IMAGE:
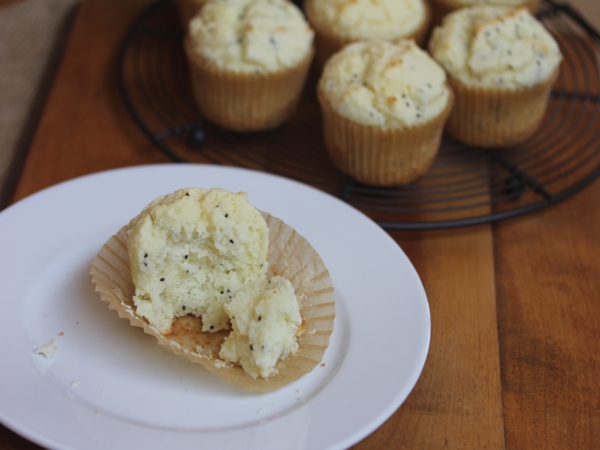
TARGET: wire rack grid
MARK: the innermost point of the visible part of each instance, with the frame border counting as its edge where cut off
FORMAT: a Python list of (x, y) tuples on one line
[(465, 186)]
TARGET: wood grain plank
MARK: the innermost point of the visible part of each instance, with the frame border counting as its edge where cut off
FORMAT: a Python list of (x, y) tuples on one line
[(548, 272), (548, 287), (457, 402), (7, 2), (12, 441)]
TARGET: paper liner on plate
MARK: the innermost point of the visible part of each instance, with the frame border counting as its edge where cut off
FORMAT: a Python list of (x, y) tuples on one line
[(290, 255)]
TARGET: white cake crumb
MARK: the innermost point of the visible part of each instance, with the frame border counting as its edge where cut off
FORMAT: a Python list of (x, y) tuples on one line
[(190, 251), (265, 317), (74, 384), (220, 364), (204, 253), (48, 349)]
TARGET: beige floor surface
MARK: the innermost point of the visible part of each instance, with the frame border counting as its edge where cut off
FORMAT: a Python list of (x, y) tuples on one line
[(30, 31)]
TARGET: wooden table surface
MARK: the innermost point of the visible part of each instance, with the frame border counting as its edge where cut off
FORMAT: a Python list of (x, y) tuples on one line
[(514, 360)]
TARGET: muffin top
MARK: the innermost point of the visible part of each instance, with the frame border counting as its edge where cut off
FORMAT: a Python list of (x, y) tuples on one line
[(495, 47), (492, 2), (254, 36), (370, 19), (378, 83)]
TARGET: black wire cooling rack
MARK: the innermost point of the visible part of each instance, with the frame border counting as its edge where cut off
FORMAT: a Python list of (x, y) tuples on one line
[(465, 186)]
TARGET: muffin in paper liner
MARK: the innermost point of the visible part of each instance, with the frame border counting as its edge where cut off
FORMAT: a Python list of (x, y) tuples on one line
[(245, 101), (290, 255), (489, 117), (501, 63), (328, 42), (381, 156)]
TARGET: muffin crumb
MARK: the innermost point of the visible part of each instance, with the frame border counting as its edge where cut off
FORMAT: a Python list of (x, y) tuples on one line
[(48, 350)]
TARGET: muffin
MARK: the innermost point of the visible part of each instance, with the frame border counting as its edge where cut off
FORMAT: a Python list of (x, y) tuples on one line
[(340, 22), (223, 284), (265, 320), (384, 107), (191, 251), (441, 8), (248, 61), (501, 65)]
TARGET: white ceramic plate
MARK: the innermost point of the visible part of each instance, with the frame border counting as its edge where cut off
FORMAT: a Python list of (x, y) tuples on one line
[(111, 386)]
